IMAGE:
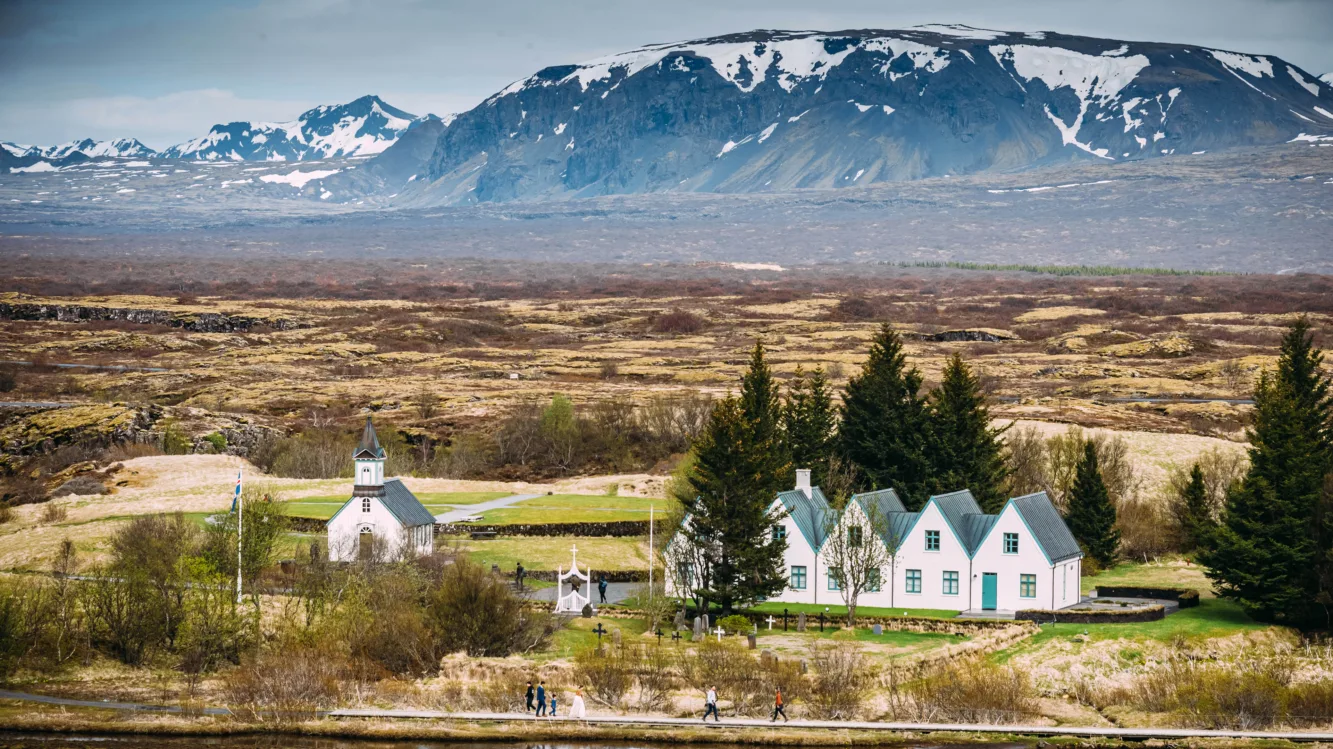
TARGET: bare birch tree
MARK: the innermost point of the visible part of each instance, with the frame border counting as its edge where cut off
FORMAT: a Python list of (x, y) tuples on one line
[(855, 552)]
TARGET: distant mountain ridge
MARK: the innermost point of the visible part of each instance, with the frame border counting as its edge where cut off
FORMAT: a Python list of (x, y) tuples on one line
[(362, 127), (781, 110)]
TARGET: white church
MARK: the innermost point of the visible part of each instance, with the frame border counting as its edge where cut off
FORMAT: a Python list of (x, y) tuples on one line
[(383, 520), (950, 555)]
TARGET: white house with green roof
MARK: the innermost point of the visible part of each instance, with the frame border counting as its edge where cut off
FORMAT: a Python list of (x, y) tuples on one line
[(949, 555), (383, 520)]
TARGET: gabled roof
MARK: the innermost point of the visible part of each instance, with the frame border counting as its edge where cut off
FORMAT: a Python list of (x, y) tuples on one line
[(900, 523), (370, 444), (404, 504), (1048, 528), (809, 513), (974, 530), (897, 520), (885, 500), (955, 506)]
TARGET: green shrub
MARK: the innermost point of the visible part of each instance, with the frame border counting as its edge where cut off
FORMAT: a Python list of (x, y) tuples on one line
[(736, 624), (218, 440), (175, 441)]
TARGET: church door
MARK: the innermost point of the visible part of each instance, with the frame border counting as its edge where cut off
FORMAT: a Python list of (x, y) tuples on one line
[(366, 545)]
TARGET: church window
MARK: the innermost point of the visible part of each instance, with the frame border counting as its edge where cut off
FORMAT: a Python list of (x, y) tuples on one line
[(365, 504)]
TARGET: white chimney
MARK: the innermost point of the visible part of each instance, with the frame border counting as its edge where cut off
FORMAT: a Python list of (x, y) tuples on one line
[(803, 480)]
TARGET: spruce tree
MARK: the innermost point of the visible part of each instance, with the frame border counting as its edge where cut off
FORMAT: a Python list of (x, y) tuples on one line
[(809, 423), (1196, 516), (1091, 513), (740, 465), (966, 452), (882, 432), (1271, 554)]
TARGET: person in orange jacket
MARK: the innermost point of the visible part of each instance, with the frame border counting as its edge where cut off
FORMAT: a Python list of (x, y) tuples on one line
[(778, 706)]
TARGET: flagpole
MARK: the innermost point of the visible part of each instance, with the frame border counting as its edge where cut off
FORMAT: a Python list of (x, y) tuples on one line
[(240, 513), (650, 552)]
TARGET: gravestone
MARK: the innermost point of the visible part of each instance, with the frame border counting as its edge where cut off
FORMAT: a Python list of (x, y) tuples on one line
[(698, 629), (800, 622), (587, 611), (679, 622), (805, 666), (706, 622), (767, 659), (615, 636), (879, 629), (750, 640)]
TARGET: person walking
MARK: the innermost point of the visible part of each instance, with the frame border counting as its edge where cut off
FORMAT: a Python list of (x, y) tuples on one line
[(601, 588), (710, 705), (577, 710), (778, 706), (530, 695), (541, 699)]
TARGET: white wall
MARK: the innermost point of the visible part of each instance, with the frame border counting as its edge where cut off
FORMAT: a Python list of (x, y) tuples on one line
[(368, 473), (912, 554), (1030, 560), (344, 532), (799, 552)]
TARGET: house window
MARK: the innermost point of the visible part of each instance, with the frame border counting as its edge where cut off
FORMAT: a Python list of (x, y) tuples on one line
[(872, 581), (835, 578), (798, 577), (932, 540), (1011, 543), (685, 571), (779, 532), (854, 536), (914, 581), (365, 504), (1027, 586), (950, 583)]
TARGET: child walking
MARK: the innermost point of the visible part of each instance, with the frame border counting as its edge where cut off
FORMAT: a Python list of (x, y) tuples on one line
[(778, 706)]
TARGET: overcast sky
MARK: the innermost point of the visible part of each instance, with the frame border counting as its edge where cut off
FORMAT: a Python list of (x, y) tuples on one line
[(166, 70)]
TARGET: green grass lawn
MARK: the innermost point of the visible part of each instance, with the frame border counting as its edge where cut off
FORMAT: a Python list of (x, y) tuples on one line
[(1213, 617), (577, 635), (322, 508), (838, 611), (546, 553), (577, 508), (1170, 572)]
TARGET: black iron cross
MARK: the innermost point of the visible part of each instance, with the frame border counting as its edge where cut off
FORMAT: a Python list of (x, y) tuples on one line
[(659, 637), (599, 630), (821, 621), (675, 636), (784, 620)]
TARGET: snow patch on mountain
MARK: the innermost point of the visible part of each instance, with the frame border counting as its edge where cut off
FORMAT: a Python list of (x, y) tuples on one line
[(1311, 86), (1257, 67), (298, 178)]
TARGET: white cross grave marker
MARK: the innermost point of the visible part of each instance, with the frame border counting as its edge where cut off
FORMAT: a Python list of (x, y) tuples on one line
[(719, 632), (770, 623)]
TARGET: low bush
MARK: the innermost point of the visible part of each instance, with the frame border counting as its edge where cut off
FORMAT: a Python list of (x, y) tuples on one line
[(736, 624), (971, 690), (842, 679), (678, 321), (54, 513), (287, 684), (1237, 695)]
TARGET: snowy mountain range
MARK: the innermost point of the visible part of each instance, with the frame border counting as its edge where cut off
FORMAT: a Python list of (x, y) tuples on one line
[(780, 110), (359, 128), (362, 127)]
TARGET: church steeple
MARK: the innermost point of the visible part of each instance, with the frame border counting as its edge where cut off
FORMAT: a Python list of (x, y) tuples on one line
[(368, 459)]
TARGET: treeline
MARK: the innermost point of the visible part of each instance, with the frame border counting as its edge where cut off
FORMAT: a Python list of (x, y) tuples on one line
[(535, 439)]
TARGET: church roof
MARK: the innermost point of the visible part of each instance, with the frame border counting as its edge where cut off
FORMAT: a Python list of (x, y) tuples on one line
[(370, 444), (404, 504)]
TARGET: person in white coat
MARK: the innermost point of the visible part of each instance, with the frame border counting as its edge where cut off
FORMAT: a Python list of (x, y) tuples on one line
[(576, 709)]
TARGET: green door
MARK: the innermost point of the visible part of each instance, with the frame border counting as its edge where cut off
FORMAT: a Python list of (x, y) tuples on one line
[(989, 585)]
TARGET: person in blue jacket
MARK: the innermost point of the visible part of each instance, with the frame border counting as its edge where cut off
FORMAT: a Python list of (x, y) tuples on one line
[(541, 699)]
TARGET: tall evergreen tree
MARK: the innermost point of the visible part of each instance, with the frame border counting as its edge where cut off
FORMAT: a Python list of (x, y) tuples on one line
[(966, 451), (809, 422), (1272, 553), (1195, 512), (1091, 513), (883, 427), (740, 465)]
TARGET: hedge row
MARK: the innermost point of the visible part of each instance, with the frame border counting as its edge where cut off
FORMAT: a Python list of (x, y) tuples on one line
[(1110, 616), (609, 529), (1187, 598)]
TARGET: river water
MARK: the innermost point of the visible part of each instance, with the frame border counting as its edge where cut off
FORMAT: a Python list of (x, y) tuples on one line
[(93, 741)]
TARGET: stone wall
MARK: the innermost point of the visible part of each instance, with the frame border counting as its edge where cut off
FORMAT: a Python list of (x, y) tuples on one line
[(1187, 598), (612, 529), (1145, 614)]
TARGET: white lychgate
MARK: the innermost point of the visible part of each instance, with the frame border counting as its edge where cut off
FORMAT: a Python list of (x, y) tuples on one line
[(572, 602), (383, 520)]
